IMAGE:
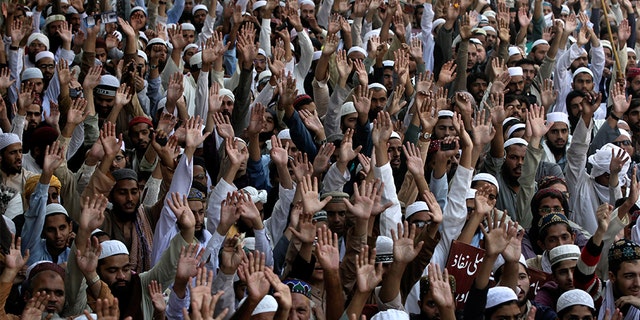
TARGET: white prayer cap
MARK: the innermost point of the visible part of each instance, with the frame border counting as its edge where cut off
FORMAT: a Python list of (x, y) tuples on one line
[(489, 29), (486, 177), (445, 113), (53, 18), (143, 36), (138, 8), (118, 35), (112, 248), (264, 75), (347, 108), (199, 7), (7, 139), (189, 46), (500, 262), (307, 2), (249, 243), (483, 19), (438, 22), (258, 4), (471, 193), (606, 44), (630, 50), (284, 134), (558, 117), (388, 63), (475, 41), (31, 73), (539, 42), (256, 195), (516, 71), (196, 60), (227, 93), (291, 46), (565, 9), (564, 252), (391, 314), (574, 297), (108, 85), (316, 55), (625, 133), (394, 135), (581, 70), (186, 26), (378, 86), (357, 49), (499, 295), (96, 231), (262, 52), (267, 304), (44, 54), (508, 119), (156, 41), (489, 14), (55, 208), (384, 250), (514, 51), (514, 128), (143, 55), (414, 208), (40, 37), (513, 141)]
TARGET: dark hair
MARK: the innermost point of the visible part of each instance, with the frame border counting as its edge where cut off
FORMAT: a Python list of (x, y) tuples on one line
[(634, 104), (572, 95), (490, 311), (522, 62), (564, 311), (475, 76)]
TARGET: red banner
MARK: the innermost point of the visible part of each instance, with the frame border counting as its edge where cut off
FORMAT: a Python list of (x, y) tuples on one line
[(462, 264)]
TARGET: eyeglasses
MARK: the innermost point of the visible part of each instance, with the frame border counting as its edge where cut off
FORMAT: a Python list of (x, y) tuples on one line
[(556, 209), (625, 143), (47, 66)]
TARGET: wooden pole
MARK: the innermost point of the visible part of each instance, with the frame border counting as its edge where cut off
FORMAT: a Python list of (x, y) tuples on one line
[(620, 74)]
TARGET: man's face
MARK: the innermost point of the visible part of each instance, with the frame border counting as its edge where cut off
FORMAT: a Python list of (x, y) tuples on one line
[(523, 284), (12, 159), (126, 196), (583, 82), (563, 274), (445, 128), (608, 62), (625, 143), (546, 10), (188, 54), (507, 312), (472, 55), (387, 81), (53, 195), (36, 47), (482, 53), (51, 283), (188, 6), (575, 106), (378, 100), (300, 307), (34, 116), (394, 151), (634, 87), (119, 162), (519, 108), (582, 61), (516, 85), (244, 153), (557, 234), (101, 55), (115, 271), (56, 231), (103, 103), (627, 279), (336, 216), (227, 106), (349, 121), (529, 72), (428, 308), (53, 29), (38, 85), (492, 196), (199, 17), (138, 19), (140, 136), (307, 11), (631, 58), (513, 59), (199, 175), (477, 89), (491, 39), (198, 209), (47, 66), (578, 312), (260, 63), (558, 135), (633, 119), (514, 160), (189, 35), (540, 51)]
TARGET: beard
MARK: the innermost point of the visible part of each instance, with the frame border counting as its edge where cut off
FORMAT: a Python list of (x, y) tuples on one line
[(123, 293), (123, 216), (557, 150), (199, 234)]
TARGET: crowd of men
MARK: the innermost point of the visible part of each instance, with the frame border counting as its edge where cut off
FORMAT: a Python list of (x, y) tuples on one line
[(320, 159)]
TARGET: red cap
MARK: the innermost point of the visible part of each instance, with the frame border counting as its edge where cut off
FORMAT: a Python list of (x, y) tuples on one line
[(140, 119), (632, 73)]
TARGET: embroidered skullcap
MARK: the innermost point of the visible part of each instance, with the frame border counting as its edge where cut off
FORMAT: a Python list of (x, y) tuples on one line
[(581, 70), (259, 4), (320, 216), (347, 108), (574, 297), (539, 42), (514, 128), (377, 86), (108, 85), (623, 250), (489, 29), (565, 9), (550, 219), (558, 117), (196, 195), (284, 134), (438, 22), (196, 60), (53, 18), (564, 252), (391, 314), (227, 93), (199, 7), (298, 286), (186, 26), (388, 63), (414, 208), (31, 73), (55, 208), (112, 248), (257, 196), (471, 193), (384, 250), (486, 177), (40, 37), (548, 181), (44, 54), (7, 139), (394, 135), (41, 266), (514, 51), (124, 174), (499, 295), (515, 71), (632, 73), (445, 114), (357, 49), (336, 196), (513, 141), (302, 100)]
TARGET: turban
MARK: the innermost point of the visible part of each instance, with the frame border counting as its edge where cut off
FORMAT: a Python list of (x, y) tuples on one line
[(32, 182), (40, 37), (601, 160)]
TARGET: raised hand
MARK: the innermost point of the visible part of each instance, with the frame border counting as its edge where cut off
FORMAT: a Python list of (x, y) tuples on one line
[(363, 75), (602, 215), (256, 122), (195, 137), (414, 159), (498, 235), (327, 249), (223, 125), (157, 297), (282, 292), (167, 153), (180, 207), (524, 17), (398, 102), (53, 118), (76, 114), (231, 256), (175, 88), (35, 306), (309, 191), (189, 262), (382, 129), (229, 213), (548, 95), (92, 78), (321, 162), (53, 158), (435, 212), (123, 95), (404, 248), (362, 100), (362, 200), (301, 166), (311, 121), (25, 98), (251, 272), (278, 152), (306, 231), (440, 287), (249, 212), (5, 78), (215, 99), (618, 160), (330, 44), (424, 81), (620, 101), (482, 129), (536, 123), (514, 248), (87, 259), (14, 260), (92, 215), (368, 275), (346, 152)]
